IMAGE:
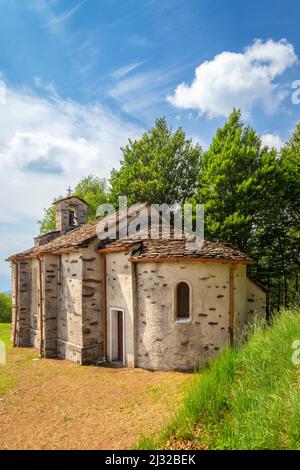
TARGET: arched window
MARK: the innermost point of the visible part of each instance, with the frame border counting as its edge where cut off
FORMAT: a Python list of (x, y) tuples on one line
[(183, 307), (72, 220)]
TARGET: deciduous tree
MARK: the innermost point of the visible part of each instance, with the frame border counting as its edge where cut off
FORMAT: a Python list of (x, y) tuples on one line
[(160, 167)]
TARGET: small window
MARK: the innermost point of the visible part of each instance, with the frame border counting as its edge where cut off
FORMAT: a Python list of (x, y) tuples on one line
[(183, 301)]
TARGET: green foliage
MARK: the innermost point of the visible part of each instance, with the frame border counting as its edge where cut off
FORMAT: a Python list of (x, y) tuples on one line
[(250, 192), (47, 224), (160, 167), (94, 192), (251, 195), (227, 180), (6, 380), (91, 188), (5, 308), (275, 238), (5, 332), (248, 398)]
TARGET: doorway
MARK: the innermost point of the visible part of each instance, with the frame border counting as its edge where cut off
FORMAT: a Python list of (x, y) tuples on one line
[(117, 343)]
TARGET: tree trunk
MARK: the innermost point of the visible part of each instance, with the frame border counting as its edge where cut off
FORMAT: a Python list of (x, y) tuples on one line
[(278, 296)]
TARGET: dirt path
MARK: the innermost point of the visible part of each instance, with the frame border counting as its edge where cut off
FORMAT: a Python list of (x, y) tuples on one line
[(51, 404)]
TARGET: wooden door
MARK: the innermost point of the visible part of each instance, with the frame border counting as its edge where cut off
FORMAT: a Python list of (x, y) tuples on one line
[(120, 336)]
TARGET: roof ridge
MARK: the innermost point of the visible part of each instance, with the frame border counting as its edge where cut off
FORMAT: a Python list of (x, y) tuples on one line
[(159, 247)]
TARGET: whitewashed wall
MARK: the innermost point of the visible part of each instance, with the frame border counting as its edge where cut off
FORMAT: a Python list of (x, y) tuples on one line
[(120, 294), (163, 343)]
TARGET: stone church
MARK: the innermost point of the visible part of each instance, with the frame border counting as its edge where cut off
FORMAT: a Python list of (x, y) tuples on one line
[(132, 302)]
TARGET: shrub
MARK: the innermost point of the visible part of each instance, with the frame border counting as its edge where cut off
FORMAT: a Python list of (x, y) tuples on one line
[(5, 308)]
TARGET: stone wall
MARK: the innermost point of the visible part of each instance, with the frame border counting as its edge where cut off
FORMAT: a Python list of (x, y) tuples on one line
[(62, 212), (14, 297), (120, 295), (250, 302), (240, 293), (51, 279), (72, 293), (72, 305), (69, 326), (34, 304), (23, 338), (29, 302), (27, 293), (92, 331), (256, 300), (79, 327), (164, 343)]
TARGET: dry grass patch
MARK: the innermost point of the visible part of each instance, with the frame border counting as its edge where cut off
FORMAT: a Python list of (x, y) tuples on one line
[(51, 404)]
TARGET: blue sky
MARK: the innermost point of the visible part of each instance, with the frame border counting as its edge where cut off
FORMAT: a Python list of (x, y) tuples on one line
[(83, 76)]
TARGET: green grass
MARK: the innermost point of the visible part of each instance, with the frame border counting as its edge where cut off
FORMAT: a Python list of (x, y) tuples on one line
[(5, 379), (5, 329), (5, 307), (247, 399)]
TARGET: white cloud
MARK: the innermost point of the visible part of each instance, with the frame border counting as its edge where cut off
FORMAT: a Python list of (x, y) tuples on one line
[(46, 9), (47, 144), (140, 92), (199, 141), (56, 20), (46, 87), (272, 140), (240, 80), (140, 41), (39, 6), (123, 71)]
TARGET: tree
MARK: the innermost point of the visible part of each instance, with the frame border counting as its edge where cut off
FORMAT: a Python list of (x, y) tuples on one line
[(47, 224), (94, 192), (227, 180), (251, 195), (91, 188), (160, 167), (5, 308), (276, 237)]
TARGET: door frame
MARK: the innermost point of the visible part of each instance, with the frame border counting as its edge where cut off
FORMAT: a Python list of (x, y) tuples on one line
[(111, 310)]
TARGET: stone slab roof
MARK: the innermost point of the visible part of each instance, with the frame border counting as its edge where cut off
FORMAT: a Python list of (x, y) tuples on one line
[(165, 249), (77, 237), (175, 249), (143, 248), (69, 198)]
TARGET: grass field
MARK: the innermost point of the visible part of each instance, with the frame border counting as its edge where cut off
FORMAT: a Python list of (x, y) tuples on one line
[(53, 404), (5, 333), (11, 372), (5, 379), (248, 398)]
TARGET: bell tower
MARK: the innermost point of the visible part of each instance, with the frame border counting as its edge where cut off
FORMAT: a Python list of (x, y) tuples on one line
[(71, 212)]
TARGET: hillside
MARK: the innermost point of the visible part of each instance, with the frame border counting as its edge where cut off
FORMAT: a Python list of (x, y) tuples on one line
[(247, 399)]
